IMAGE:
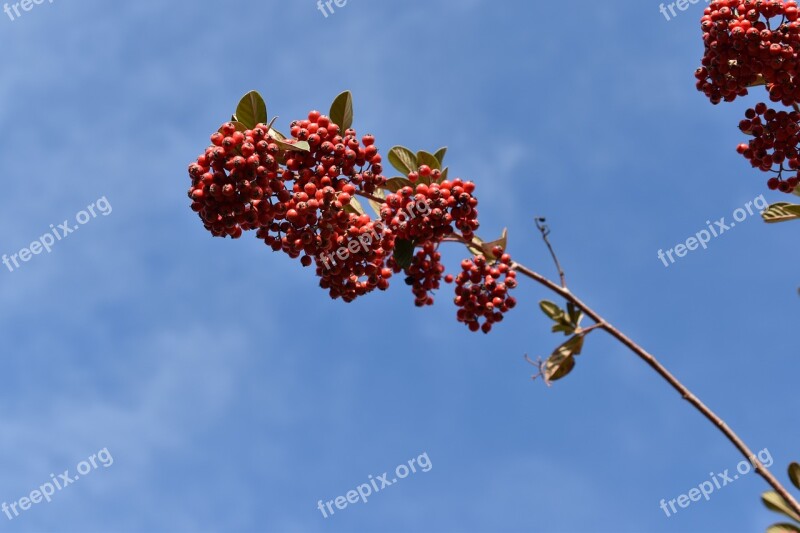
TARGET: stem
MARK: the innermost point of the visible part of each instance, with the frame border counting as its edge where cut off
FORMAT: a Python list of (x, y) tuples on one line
[(685, 393), (370, 197), (545, 230)]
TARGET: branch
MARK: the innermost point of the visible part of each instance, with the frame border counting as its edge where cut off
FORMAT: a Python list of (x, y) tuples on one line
[(644, 355), (651, 361)]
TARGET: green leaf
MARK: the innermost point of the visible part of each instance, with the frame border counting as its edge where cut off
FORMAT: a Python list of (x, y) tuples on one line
[(551, 310), (403, 160), (427, 158), (445, 172), (774, 502), (566, 329), (783, 528), (354, 206), (557, 367), (797, 191), (299, 146), (794, 474), (395, 184), (575, 314), (781, 212), (238, 125), (440, 153), (476, 246), (275, 134), (376, 206), (252, 110), (342, 111), (562, 361), (403, 252), (502, 242)]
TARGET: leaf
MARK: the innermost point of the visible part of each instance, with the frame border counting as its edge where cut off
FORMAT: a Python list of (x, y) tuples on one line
[(797, 191), (403, 160), (502, 242), (551, 310), (558, 367), (342, 111), (774, 502), (574, 346), (354, 206), (440, 153), (395, 184), (299, 146), (427, 158), (575, 314), (275, 134), (376, 206), (783, 528), (475, 246), (563, 328), (239, 126), (403, 252), (794, 474), (445, 172), (252, 110), (781, 212), (562, 361)]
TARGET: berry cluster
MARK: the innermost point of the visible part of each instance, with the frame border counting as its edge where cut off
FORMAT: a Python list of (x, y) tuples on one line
[(297, 193), (231, 179), (312, 217), (745, 46), (425, 274), (481, 294), (448, 205), (334, 154), (360, 264), (776, 135)]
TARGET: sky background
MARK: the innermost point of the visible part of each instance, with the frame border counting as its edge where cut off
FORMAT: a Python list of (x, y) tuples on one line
[(233, 394)]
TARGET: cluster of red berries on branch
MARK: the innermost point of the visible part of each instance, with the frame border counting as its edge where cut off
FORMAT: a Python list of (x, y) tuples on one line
[(776, 135), (750, 43), (450, 206), (299, 195), (482, 290), (424, 274), (231, 179)]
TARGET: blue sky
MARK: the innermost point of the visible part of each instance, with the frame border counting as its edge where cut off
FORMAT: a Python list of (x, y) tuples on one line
[(233, 394)]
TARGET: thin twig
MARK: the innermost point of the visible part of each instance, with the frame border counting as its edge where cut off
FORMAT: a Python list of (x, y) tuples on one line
[(584, 331), (545, 230), (368, 196)]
